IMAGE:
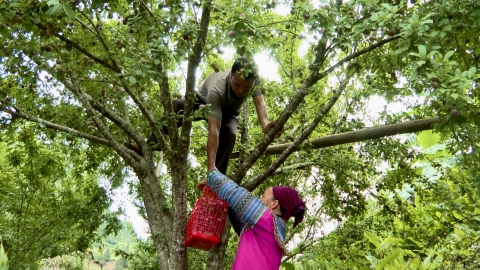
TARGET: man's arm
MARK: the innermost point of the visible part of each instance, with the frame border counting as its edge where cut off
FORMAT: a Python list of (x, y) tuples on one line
[(262, 112), (247, 208), (212, 142), (262, 115)]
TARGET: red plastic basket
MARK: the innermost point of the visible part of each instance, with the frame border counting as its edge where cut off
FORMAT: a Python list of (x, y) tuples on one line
[(206, 223)]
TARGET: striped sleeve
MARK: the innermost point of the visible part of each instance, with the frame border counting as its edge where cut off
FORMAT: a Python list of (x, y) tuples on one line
[(248, 208)]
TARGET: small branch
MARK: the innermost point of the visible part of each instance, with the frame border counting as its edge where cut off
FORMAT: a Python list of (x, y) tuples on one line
[(297, 166), (87, 53), (84, 25), (303, 247), (156, 130), (104, 44), (357, 54), (147, 9), (115, 118), (211, 48), (19, 113), (121, 150), (277, 22)]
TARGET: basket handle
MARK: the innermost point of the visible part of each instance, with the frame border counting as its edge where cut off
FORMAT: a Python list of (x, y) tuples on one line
[(209, 193)]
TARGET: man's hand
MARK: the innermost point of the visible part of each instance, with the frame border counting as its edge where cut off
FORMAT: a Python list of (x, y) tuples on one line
[(269, 126), (201, 185)]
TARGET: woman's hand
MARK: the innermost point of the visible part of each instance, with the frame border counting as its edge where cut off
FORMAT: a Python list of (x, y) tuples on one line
[(202, 184)]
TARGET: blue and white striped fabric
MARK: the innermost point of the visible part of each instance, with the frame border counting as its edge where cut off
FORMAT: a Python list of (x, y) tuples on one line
[(248, 208)]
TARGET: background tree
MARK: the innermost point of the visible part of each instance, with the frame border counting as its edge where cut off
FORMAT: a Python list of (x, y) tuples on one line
[(49, 207), (102, 72)]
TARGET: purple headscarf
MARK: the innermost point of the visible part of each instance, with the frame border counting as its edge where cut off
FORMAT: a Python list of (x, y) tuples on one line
[(291, 203)]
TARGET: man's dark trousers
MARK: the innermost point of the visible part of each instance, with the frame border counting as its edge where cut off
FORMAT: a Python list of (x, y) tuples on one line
[(226, 137)]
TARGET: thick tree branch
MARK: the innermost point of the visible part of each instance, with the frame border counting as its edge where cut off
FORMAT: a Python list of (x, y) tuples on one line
[(193, 62), (314, 77), (145, 148), (167, 109), (320, 52), (359, 135), (157, 208), (179, 186), (257, 180)]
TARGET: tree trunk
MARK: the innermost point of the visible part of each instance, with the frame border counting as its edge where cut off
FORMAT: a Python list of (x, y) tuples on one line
[(217, 253), (358, 136), (158, 216), (178, 250)]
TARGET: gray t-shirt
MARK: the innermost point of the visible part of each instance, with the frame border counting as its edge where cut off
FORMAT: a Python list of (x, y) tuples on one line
[(216, 91)]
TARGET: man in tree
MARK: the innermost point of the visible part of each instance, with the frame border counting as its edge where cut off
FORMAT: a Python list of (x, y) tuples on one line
[(224, 93)]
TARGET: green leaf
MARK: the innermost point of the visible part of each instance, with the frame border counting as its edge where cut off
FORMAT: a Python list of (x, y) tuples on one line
[(426, 21), (3, 258), (392, 241), (373, 261), (53, 2), (472, 71), (55, 10), (422, 51), (69, 11), (457, 215), (420, 63), (448, 55), (459, 232), (434, 148), (372, 238), (419, 244), (392, 256), (132, 79), (427, 138), (418, 203), (466, 98), (427, 260), (288, 266)]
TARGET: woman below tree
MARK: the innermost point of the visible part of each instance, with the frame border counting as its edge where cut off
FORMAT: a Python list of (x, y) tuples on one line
[(263, 221)]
